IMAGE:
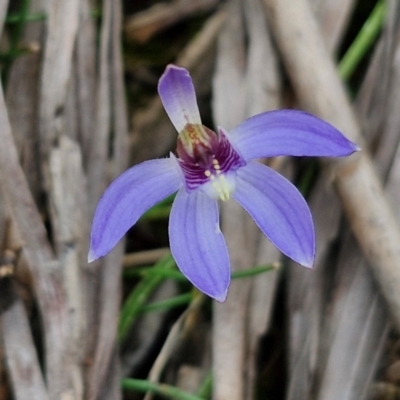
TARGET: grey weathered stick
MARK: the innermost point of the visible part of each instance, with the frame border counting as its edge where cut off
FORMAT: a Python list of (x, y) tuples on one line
[(333, 16), (44, 268), (97, 182), (229, 319), (145, 257), (22, 360), (104, 373), (98, 149), (62, 26), (85, 53), (22, 100), (345, 343), (67, 198), (309, 66), (3, 11), (246, 82), (143, 25)]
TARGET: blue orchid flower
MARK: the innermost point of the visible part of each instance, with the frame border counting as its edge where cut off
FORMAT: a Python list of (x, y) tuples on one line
[(217, 166)]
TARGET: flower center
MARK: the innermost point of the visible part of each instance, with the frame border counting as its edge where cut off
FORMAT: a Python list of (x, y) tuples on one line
[(220, 186), (208, 161)]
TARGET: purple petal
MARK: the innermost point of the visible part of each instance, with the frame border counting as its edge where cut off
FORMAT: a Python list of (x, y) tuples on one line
[(278, 209), (289, 133), (197, 243), (179, 97), (127, 198)]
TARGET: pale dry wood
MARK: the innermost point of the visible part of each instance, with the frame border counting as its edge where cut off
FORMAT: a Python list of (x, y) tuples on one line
[(189, 378), (97, 182), (44, 268), (83, 83), (143, 25), (359, 324), (229, 327), (21, 97), (334, 337), (229, 96), (113, 267), (146, 257), (306, 299), (60, 283), (176, 335), (263, 84), (306, 296), (365, 100), (101, 371), (18, 349), (203, 42), (355, 322), (70, 124), (3, 12), (97, 157), (391, 128), (47, 277), (62, 27), (85, 80), (120, 113), (338, 12), (68, 207), (320, 90), (106, 363), (146, 331), (111, 386), (20, 352), (383, 116), (246, 83), (152, 133), (373, 100), (333, 17), (357, 329)]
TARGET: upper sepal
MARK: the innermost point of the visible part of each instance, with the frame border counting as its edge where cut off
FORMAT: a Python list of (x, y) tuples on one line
[(178, 97)]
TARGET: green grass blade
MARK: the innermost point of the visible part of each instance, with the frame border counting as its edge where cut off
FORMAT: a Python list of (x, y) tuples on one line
[(363, 42), (170, 392), (139, 296)]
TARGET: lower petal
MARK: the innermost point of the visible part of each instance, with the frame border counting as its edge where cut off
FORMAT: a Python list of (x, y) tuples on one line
[(127, 198), (197, 243), (278, 209)]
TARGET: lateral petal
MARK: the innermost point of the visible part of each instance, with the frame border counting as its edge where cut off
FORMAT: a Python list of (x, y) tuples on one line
[(127, 198), (178, 96), (278, 209), (289, 133), (197, 243)]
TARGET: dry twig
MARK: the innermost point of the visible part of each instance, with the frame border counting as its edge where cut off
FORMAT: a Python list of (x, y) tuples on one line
[(320, 90)]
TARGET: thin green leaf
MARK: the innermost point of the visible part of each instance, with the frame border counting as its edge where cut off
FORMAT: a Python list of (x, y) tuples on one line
[(167, 391), (139, 296), (168, 304), (253, 271), (160, 271), (363, 42), (205, 389)]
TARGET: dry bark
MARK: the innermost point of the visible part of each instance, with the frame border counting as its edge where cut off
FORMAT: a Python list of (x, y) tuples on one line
[(246, 82), (320, 91)]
